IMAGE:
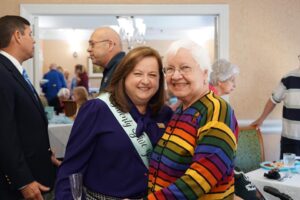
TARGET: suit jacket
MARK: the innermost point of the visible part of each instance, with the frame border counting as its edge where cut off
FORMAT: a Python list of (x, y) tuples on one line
[(24, 141)]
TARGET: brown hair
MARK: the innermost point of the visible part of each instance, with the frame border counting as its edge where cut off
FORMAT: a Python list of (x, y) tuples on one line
[(80, 67), (117, 87), (8, 25), (82, 93)]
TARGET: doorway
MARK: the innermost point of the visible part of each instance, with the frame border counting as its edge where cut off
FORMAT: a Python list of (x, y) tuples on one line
[(34, 11)]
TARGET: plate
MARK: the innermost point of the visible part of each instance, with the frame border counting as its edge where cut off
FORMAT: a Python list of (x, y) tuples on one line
[(277, 164)]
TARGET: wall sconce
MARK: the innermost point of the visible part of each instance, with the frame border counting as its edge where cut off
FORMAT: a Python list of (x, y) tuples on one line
[(74, 42), (75, 54)]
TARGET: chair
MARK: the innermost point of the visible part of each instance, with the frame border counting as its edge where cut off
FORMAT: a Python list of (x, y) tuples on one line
[(250, 151), (70, 108)]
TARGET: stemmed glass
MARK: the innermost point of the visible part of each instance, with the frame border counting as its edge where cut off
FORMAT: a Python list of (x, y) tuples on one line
[(289, 162), (76, 185)]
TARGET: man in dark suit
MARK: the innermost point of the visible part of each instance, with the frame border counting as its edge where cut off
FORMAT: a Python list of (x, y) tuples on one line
[(26, 170)]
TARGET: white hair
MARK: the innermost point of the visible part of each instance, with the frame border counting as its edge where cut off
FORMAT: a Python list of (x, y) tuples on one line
[(64, 92), (198, 53), (223, 70), (53, 66)]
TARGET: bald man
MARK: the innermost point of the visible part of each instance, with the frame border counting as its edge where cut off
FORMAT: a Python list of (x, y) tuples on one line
[(105, 49)]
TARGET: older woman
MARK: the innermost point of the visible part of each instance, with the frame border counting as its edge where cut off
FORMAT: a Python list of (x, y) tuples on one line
[(223, 75), (113, 135), (194, 158), (58, 102)]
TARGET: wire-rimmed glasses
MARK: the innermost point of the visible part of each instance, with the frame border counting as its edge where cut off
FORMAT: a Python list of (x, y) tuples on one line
[(93, 43), (183, 70)]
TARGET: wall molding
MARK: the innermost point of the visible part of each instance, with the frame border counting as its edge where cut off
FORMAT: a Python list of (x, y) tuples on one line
[(268, 127)]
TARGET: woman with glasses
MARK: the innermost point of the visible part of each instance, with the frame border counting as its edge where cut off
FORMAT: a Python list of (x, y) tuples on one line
[(223, 76), (113, 135), (194, 158)]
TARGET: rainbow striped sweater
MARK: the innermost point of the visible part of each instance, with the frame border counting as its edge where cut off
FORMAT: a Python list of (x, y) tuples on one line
[(195, 157)]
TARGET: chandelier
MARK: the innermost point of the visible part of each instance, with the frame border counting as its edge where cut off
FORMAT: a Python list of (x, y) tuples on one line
[(132, 30)]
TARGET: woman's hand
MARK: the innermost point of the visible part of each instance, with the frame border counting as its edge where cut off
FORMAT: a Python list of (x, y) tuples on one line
[(54, 160)]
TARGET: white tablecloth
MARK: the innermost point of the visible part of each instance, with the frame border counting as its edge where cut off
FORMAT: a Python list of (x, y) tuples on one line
[(58, 136), (290, 186)]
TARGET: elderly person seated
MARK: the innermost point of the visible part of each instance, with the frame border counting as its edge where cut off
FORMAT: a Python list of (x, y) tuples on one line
[(58, 102), (222, 77)]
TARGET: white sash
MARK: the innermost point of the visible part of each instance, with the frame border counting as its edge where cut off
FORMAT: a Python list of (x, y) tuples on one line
[(142, 144)]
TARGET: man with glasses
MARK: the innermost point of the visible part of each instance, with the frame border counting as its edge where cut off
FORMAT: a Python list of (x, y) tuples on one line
[(105, 49)]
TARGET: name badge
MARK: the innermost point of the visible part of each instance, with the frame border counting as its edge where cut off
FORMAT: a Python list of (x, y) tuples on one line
[(161, 125)]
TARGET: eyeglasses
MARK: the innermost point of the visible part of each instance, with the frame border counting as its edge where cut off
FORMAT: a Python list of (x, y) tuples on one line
[(92, 43), (183, 70)]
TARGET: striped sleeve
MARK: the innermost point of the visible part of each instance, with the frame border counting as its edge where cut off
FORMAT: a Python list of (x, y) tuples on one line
[(279, 93), (210, 173)]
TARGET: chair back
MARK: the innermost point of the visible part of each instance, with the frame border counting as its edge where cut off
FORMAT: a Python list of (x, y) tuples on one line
[(250, 150), (70, 108)]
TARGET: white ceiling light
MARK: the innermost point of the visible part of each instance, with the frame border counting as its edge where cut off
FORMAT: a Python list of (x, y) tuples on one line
[(132, 30)]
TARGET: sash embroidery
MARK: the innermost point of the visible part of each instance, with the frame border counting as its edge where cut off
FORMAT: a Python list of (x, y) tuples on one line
[(142, 144)]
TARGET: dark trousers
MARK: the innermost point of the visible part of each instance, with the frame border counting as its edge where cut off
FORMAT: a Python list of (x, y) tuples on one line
[(289, 146)]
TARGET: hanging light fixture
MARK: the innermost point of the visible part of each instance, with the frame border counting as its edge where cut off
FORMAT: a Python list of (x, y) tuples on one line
[(132, 30)]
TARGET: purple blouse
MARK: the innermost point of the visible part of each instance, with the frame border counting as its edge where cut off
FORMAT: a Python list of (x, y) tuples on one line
[(99, 148)]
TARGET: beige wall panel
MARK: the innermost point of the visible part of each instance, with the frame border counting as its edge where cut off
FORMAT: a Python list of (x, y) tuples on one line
[(264, 42), (59, 52)]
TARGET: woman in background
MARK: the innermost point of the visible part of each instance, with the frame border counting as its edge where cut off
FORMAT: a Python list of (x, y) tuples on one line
[(80, 96), (82, 77), (222, 79), (223, 76), (113, 135), (58, 102)]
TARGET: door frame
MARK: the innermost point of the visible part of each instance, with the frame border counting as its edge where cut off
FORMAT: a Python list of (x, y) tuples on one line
[(32, 11)]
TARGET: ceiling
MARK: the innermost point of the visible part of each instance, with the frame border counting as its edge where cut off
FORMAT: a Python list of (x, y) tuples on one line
[(158, 27)]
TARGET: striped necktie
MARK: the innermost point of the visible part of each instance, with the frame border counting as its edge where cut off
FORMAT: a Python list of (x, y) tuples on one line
[(26, 77)]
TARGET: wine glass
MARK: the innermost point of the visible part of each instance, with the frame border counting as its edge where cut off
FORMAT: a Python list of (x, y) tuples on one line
[(289, 162), (76, 185)]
